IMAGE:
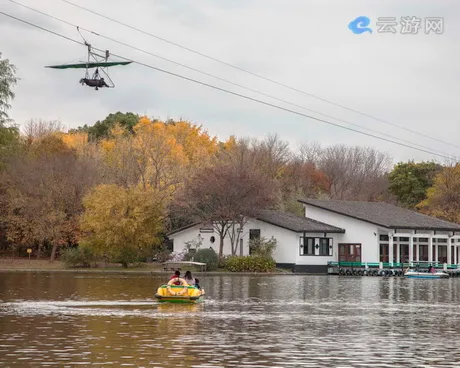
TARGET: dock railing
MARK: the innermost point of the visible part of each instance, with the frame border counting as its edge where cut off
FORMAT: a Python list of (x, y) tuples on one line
[(387, 268)]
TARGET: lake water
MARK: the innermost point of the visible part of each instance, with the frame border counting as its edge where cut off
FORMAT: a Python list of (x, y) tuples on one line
[(75, 319)]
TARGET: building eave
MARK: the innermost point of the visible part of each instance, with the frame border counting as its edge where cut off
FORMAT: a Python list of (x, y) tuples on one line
[(344, 214), (392, 226), (182, 229), (338, 231)]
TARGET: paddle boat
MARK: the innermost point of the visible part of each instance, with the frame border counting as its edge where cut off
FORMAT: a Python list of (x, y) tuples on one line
[(426, 275), (183, 293)]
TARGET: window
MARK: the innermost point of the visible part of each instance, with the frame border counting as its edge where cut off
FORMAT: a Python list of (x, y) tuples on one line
[(349, 252), (384, 237), (325, 246), (307, 248), (207, 228), (423, 240), (212, 239), (402, 239), (441, 240), (423, 249), (442, 254), (384, 252), (254, 234)]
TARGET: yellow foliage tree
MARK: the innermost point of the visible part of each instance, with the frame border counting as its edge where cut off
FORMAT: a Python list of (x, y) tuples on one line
[(230, 144), (122, 223), (76, 141), (160, 159), (198, 146), (443, 198)]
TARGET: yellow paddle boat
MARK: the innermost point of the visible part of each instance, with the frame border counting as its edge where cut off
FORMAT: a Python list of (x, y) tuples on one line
[(183, 293)]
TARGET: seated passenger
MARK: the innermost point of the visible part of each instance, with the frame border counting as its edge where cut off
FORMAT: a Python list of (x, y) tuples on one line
[(197, 285), (189, 279), (175, 276)]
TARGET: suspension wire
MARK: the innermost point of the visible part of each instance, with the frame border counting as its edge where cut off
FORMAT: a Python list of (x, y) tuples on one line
[(257, 75), (234, 93), (222, 79)]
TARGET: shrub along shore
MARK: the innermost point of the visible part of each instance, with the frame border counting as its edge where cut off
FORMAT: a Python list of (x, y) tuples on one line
[(154, 268)]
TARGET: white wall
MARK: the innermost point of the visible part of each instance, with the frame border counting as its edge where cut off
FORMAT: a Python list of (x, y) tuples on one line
[(319, 260), (356, 231), (193, 233), (286, 251), (287, 241)]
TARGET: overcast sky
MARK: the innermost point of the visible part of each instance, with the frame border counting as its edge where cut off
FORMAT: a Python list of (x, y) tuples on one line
[(410, 80)]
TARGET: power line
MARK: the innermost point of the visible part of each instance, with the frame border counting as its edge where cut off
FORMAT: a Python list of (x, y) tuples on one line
[(221, 79), (228, 91), (257, 75)]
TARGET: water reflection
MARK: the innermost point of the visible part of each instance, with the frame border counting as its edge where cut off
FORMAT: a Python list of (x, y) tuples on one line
[(271, 321)]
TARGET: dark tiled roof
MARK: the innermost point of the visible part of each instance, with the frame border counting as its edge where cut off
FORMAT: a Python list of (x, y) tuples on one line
[(383, 214), (296, 223), (287, 221), (182, 228)]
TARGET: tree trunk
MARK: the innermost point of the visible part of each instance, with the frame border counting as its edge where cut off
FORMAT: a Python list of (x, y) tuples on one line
[(53, 253), (221, 246)]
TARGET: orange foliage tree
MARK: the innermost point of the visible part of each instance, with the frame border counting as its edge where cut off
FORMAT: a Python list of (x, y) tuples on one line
[(443, 198)]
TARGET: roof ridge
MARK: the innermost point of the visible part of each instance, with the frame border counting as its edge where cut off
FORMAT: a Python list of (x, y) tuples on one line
[(380, 213)]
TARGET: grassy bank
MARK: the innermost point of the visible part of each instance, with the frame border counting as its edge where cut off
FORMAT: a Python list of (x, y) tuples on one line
[(44, 265)]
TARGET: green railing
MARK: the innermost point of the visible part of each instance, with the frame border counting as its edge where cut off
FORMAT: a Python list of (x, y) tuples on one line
[(421, 264)]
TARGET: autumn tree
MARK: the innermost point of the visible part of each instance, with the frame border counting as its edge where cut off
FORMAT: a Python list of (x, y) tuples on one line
[(36, 129), (122, 223), (443, 197), (9, 142), (153, 162), (8, 80), (227, 193), (101, 129), (198, 146), (45, 187), (409, 181), (302, 180), (353, 173)]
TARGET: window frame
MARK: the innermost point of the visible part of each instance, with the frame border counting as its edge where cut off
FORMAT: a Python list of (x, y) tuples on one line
[(307, 241)]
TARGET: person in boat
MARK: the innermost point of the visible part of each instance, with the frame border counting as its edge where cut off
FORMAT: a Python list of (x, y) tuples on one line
[(431, 269), (97, 83), (197, 284), (189, 278), (176, 276)]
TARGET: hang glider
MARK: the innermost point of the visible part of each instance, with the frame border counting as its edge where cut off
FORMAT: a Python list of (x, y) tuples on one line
[(100, 62), (88, 65)]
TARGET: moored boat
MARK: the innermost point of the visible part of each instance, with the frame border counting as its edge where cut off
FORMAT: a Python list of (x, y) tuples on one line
[(426, 275)]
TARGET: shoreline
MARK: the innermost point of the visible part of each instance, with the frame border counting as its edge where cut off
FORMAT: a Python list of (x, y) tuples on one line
[(151, 272), (24, 265)]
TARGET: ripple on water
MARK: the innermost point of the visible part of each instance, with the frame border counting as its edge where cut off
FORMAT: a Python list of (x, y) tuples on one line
[(308, 322)]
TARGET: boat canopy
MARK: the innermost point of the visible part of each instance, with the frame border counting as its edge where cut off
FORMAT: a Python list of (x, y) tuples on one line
[(185, 263)]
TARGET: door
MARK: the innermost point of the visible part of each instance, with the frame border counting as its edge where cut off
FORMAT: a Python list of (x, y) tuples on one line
[(404, 253), (349, 252), (384, 253)]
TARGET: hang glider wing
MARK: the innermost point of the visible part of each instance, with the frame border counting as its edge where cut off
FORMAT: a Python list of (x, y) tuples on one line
[(89, 65)]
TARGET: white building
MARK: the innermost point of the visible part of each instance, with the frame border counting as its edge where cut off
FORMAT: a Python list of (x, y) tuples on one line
[(335, 230)]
